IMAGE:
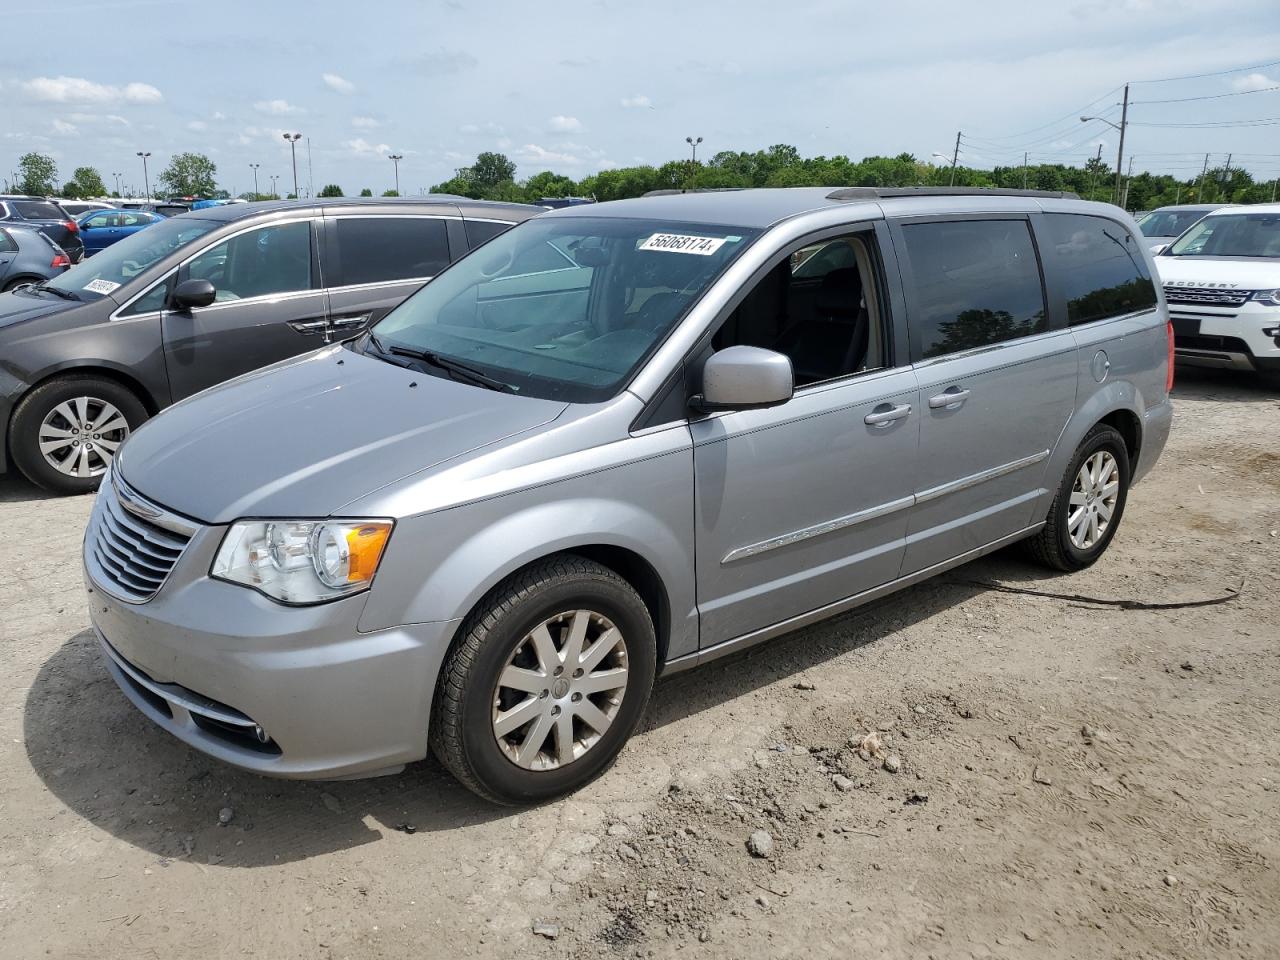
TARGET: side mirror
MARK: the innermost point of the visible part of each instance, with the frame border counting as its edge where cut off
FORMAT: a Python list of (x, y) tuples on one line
[(194, 293), (744, 378), (1159, 248)]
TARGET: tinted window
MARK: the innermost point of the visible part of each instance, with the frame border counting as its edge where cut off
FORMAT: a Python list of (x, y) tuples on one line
[(6, 243), (380, 249), (274, 259), (151, 301), (976, 283), (1101, 266), (479, 231), (101, 220), (119, 263), (38, 210)]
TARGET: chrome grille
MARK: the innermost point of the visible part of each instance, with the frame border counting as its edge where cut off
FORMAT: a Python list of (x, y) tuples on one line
[(131, 545), (1207, 296)]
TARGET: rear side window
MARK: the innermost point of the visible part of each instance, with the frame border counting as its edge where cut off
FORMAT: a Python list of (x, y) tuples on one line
[(976, 283), (384, 249), (38, 210), (6, 243), (481, 231), (1101, 265)]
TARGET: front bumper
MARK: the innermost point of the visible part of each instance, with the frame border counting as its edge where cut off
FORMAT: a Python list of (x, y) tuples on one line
[(1240, 338), (293, 692)]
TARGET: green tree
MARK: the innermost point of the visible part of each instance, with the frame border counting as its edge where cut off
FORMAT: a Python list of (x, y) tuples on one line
[(38, 174), (190, 174), (90, 182), (391, 193), (366, 192), (331, 190), (491, 169), (71, 190)]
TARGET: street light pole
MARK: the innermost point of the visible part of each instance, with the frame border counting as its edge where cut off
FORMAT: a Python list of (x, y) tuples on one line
[(275, 191), (117, 176), (146, 179), (395, 159), (293, 139), (255, 179), (693, 162)]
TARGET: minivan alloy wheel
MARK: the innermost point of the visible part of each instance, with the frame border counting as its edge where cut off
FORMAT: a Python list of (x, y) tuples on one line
[(78, 437), (560, 690), (1093, 499)]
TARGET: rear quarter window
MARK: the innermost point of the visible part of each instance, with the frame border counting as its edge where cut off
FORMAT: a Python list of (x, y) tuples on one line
[(385, 249), (1100, 265), (482, 231), (7, 244)]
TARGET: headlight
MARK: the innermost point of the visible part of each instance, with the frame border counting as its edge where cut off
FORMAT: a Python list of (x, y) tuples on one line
[(302, 561), (1269, 297)]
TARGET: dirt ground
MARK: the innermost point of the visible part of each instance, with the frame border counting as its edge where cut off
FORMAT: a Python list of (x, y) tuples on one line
[(1073, 780)]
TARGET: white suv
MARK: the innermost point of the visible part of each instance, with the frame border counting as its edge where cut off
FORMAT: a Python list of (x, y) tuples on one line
[(1222, 282)]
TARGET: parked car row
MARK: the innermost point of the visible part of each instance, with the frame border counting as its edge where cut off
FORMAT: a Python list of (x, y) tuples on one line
[(47, 217)]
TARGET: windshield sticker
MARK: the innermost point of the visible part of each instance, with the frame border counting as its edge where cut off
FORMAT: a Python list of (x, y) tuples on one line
[(683, 243), (101, 286)]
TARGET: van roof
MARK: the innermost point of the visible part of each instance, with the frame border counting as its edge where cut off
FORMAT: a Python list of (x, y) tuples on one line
[(477, 208)]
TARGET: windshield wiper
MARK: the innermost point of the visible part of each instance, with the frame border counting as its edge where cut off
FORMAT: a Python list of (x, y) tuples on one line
[(64, 294), (459, 370)]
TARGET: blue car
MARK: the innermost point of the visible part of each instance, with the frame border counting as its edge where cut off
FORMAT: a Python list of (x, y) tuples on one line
[(102, 228)]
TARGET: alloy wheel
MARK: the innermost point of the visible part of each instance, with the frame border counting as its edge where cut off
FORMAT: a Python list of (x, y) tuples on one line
[(78, 437), (1093, 499)]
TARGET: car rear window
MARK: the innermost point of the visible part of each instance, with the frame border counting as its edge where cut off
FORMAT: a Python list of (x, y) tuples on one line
[(38, 210), (1101, 266), (384, 249)]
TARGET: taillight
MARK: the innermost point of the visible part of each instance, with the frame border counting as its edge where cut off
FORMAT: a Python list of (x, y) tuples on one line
[(61, 260), (72, 226), (1168, 380)]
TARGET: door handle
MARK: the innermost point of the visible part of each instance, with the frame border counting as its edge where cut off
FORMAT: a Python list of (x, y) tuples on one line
[(952, 396), (355, 320), (883, 418), (309, 326)]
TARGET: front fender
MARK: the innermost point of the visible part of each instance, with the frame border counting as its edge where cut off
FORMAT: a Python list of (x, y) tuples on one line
[(439, 565)]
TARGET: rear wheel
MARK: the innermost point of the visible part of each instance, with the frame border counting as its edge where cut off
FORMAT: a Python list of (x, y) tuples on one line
[(1090, 501), (19, 282), (548, 680), (65, 432)]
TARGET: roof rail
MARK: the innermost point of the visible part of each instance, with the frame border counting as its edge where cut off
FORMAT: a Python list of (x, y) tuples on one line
[(885, 193), (676, 193)]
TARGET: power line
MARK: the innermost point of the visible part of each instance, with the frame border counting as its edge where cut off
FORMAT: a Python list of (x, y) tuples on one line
[(1216, 73), (1214, 96), (1258, 122), (1069, 116)]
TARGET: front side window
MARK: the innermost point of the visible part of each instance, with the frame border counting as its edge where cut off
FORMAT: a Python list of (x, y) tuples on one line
[(1101, 267), (563, 308), (270, 260), (976, 283), (1231, 235), (101, 274), (100, 220), (386, 249)]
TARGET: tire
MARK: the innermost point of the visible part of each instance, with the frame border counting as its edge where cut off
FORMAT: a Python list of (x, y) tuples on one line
[(470, 701), (17, 282), (1054, 546), (76, 394)]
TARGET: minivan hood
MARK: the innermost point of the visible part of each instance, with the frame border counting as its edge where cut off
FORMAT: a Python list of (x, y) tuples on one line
[(17, 307), (301, 438), (1243, 274)]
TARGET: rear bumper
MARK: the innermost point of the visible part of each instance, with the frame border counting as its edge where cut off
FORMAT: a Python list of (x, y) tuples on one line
[(1156, 424)]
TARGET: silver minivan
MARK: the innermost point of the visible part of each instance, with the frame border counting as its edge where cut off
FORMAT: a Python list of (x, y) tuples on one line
[(618, 441)]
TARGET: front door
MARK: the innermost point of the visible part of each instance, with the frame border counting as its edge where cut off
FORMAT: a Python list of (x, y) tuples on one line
[(806, 503), (997, 382), (269, 306)]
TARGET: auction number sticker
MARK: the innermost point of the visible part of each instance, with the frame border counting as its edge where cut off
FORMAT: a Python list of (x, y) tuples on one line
[(683, 243), (101, 286)]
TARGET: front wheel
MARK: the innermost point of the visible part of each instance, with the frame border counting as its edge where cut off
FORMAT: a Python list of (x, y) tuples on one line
[(549, 678), (1090, 501), (65, 431)]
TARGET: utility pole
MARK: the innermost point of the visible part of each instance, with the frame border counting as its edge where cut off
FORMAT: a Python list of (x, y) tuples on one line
[(396, 158), (1124, 122), (693, 162), (1177, 196), (1093, 173), (255, 179), (1124, 202), (145, 178), (1226, 178), (1273, 189), (293, 139), (1024, 170), (1200, 182), (955, 156)]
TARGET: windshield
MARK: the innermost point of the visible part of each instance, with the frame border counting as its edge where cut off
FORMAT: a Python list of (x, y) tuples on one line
[(1231, 235), (1171, 223), (119, 263), (563, 308)]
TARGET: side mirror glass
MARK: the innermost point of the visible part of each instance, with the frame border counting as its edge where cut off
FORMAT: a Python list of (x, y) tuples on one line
[(744, 378), (194, 293)]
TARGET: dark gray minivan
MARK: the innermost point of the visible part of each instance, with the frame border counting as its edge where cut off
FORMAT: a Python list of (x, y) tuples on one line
[(200, 298)]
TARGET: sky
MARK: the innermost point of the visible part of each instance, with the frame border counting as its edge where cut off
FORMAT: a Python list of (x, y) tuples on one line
[(580, 87)]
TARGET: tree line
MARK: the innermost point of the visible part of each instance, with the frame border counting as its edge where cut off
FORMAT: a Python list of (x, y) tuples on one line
[(493, 177)]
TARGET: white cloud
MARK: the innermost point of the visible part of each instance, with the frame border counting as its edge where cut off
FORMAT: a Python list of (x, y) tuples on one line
[(98, 118), (562, 124), (80, 90), (489, 129), (63, 128), (535, 155), (340, 84), (364, 123), (277, 108), (219, 115), (362, 147), (639, 101), (197, 125), (1254, 81)]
